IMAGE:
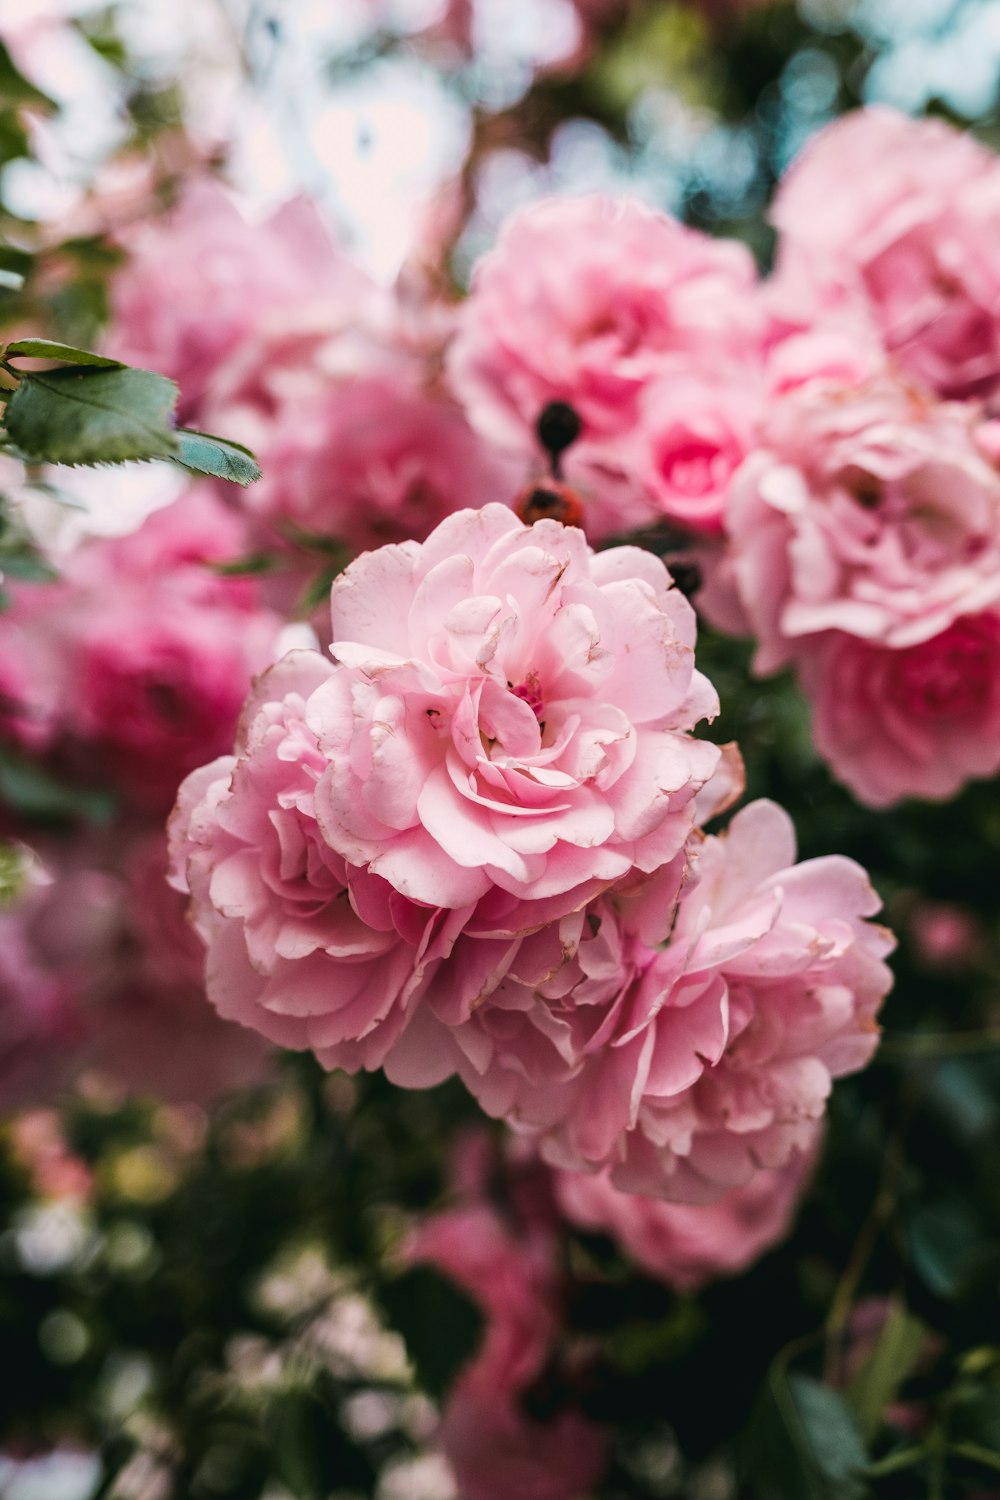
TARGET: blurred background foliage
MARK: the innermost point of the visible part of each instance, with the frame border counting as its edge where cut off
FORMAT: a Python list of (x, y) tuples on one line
[(207, 1305)]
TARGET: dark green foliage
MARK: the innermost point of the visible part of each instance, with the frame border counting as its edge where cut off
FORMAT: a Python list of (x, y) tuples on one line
[(442, 1328), (803, 1443), (215, 456), (82, 415)]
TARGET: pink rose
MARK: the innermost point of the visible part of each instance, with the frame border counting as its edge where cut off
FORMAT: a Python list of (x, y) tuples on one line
[(363, 460), (866, 510), (911, 244), (685, 1068), (199, 282), (511, 1278), (302, 948), (110, 972), (132, 666), (687, 1244), (587, 301), (915, 722), (511, 709), (693, 434), (499, 1452)]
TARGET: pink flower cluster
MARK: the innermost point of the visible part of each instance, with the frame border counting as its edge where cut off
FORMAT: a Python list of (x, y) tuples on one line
[(282, 343), (689, 1244), (118, 677), (133, 664), (100, 972), (829, 437), (830, 434), (862, 531), (469, 845), (652, 332), (512, 1423)]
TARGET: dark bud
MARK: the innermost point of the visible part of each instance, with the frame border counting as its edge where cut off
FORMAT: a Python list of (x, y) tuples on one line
[(686, 576), (553, 501), (558, 427)]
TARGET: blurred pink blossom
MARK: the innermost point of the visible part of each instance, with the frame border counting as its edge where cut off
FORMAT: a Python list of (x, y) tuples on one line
[(107, 937), (914, 722), (945, 935), (40, 1144), (132, 666), (362, 460), (910, 244), (37, 1024), (588, 301), (687, 1244), (499, 1451), (201, 280)]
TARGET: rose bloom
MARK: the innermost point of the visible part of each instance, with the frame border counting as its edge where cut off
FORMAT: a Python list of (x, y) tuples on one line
[(362, 459), (200, 281), (586, 300), (132, 666), (685, 1244), (866, 510), (511, 710), (910, 245), (916, 722), (110, 972), (498, 1450), (300, 947), (376, 809), (683, 1069), (692, 435)]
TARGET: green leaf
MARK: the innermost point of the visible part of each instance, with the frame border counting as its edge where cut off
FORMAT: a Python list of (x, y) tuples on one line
[(247, 567), (13, 867), (897, 1460), (15, 261), (33, 793), (440, 1326), (216, 456), (893, 1358), (27, 566), (944, 1241), (803, 1443), (311, 1455), (974, 1415), (48, 349), (14, 139), (79, 415)]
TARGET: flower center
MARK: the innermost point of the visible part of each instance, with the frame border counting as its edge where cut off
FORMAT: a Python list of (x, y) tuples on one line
[(530, 692)]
